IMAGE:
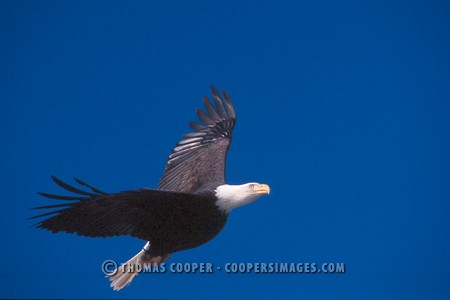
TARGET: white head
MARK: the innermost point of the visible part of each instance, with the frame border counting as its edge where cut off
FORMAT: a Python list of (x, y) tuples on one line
[(232, 196)]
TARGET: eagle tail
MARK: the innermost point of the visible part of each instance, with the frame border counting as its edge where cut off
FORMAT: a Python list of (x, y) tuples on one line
[(123, 275)]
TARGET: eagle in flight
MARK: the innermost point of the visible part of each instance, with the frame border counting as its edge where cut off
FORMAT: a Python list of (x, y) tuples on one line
[(189, 208)]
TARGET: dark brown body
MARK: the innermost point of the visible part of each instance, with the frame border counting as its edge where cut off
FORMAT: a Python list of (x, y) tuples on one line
[(171, 221)]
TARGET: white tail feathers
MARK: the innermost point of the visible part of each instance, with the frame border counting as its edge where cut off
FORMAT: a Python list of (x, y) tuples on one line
[(123, 275)]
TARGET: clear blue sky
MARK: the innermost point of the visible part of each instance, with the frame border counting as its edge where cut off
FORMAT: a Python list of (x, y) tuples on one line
[(343, 108)]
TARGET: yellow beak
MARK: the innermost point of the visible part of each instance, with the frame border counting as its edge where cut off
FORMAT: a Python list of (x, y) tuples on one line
[(263, 189)]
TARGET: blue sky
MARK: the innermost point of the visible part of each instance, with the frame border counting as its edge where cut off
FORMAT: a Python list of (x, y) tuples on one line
[(343, 108)]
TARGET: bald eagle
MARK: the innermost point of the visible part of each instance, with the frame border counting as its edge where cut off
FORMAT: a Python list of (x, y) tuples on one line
[(189, 208)]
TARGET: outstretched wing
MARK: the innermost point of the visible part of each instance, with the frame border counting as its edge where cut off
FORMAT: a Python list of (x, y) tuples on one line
[(197, 162), (139, 213)]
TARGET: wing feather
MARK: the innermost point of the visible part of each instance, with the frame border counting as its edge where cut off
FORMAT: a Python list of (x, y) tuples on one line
[(95, 190), (210, 109), (204, 117), (219, 103), (70, 188), (195, 126), (139, 213), (58, 197), (229, 105), (197, 162)]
